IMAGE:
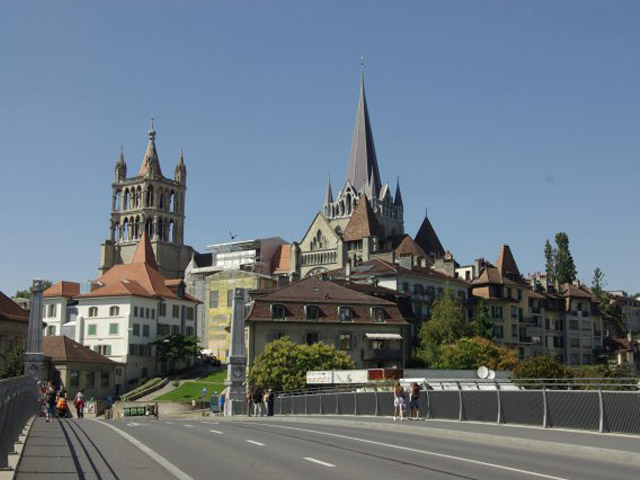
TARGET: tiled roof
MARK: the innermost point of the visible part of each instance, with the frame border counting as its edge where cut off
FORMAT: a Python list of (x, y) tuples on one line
[(10, 310), (62, 289), (491, 275), (363, 222), (63, 349), (408, 246), (570, 290), (428, 239), (281, 260), (150, 159), (506, 263)]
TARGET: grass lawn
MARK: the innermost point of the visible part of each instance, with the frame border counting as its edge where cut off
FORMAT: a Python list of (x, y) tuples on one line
[(192, 390)]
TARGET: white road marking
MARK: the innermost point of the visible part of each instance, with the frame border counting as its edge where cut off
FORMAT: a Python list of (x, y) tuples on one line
[(188, 426), (133, 424), (155, 456), (210, 423), (255, 443), (319, 462), (415, 450), (216, 431), (169, 423)]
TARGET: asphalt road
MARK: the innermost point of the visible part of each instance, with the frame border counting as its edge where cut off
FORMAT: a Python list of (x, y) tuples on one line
[(233, 448)]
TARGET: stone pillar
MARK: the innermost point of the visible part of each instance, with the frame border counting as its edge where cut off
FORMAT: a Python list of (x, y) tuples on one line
[(33, 356), (237, 368)]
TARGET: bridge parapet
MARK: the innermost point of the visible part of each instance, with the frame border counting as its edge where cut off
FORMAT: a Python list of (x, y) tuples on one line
[(19, 401)]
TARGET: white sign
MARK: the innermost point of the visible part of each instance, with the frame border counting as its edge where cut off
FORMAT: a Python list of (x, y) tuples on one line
[(350, 376), (323, 376)]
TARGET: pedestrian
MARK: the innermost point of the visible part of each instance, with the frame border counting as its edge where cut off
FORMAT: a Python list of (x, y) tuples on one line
[(78, 402), (414, 402), (257, 402), (156, 411), (398, 401), (50, 401), (249, 400), (193, 404), (61, 405), (270, 403), (221, 404)]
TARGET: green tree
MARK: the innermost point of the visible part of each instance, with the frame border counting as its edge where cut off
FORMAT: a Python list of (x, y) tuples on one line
[(550, 262), (565, 267), (27, 293), (471, 353), (541, 367), (447, 324), (597, 287), (482, 326), (283, 365), (11, 364), (176, 347)]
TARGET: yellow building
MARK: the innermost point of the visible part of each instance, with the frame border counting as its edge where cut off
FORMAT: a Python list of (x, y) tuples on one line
[(219, 302)]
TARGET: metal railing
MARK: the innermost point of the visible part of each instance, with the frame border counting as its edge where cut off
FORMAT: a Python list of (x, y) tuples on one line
[(597, 404), (19, 401)]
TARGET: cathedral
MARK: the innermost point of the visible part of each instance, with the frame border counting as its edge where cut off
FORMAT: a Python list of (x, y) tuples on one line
[(366, 219), (152, 203)]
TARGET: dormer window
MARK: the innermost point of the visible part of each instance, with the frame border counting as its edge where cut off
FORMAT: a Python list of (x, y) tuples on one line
[(312, 312), (278, 312), (345, 314), (377, 314)]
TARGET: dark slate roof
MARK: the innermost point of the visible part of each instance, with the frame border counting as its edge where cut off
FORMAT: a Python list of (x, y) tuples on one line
[(63, 349), (398, 199), (363, 164), (428, 239), (203, 259), (10, 310), (363, 222), (150, 160)]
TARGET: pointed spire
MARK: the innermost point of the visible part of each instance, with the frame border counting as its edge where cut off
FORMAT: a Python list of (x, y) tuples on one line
[(428, 239), (363, 164), (506, 263), (180, 173), (144, 252), (150, 164), (121, 167), (398, 200), (328, 199)]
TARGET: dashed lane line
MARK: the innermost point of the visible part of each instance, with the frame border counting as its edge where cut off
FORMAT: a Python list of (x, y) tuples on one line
[(319, 462), (253, 442), (216, 431)]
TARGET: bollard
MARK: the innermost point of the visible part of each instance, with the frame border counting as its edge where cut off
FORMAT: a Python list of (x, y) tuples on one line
[(545, 413)]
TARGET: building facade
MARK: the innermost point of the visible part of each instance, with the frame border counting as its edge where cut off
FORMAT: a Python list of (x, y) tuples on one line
[(14, 325), (152, 203)]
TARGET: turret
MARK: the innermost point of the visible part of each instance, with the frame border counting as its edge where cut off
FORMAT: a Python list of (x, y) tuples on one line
[(121, 167), (181, 170)]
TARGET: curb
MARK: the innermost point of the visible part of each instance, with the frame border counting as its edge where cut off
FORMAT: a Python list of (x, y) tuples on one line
[(538, 445)]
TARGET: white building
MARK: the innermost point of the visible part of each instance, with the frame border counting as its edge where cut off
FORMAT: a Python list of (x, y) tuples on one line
[(126, 310)]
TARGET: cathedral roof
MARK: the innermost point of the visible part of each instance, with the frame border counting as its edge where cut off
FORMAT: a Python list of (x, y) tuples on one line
[(363, 222), (398, 199), (408, 246), (363, 164), (150, 162), (428, 239)]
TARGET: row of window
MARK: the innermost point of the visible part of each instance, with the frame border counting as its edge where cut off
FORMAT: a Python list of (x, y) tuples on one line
[(312, 312), (138, 312), (89, 379), (136, 330), (140, 350), (92, 329), (343, 341)]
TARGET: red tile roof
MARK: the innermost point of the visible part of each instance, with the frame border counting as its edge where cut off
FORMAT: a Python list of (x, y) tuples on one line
[(62, 289), (506, 263), (363, 222), (382, 267), (281, 260), (408, 246), (11, 311), (63, 349)]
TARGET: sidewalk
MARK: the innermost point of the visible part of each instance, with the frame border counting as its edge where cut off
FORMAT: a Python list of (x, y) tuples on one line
[(612, 446)]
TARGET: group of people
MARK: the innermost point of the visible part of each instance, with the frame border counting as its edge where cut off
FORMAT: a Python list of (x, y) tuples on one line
[(399, 405), (55, 401), (262, 401)]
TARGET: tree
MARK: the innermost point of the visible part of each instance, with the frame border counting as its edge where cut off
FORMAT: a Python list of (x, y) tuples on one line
[(27, 293), (283, 365), (597, 287), (447, 324), (550, 262), (541, 367), (482, 326), (471, 353), (176, 347), (11, 364), (566, 269)]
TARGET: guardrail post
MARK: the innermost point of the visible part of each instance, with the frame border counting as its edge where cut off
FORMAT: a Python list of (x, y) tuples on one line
[(305, 404), (337, 405), (355, 403), (280, 405), (293, 404), (460, 414), (601, 406), (321, 395), (376, 410), (545, 408), (499, 404)]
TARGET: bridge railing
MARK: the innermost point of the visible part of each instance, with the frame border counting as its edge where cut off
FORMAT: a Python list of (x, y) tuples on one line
[(565, 406), (19, 401)]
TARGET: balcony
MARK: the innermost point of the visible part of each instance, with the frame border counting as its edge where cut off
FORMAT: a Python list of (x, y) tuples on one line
[(382, 355)]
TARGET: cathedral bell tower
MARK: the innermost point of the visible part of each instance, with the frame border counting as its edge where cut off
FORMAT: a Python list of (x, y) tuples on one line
[(151, 203)]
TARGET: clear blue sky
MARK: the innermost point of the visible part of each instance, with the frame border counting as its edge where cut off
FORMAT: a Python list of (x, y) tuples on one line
[(510, 120)]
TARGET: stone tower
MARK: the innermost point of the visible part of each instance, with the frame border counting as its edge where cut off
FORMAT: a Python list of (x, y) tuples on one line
[(148, 202)]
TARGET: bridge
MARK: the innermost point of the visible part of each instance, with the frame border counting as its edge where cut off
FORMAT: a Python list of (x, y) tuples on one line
[(345, 440)]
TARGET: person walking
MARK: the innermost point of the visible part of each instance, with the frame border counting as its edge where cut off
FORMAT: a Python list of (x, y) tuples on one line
[(265, 403), (249, 400), (398, 401), (414, 402), (156, 411), (78, 402), (270, 403), (257, 402), (61, 406), (221, 404), (50, 401)]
